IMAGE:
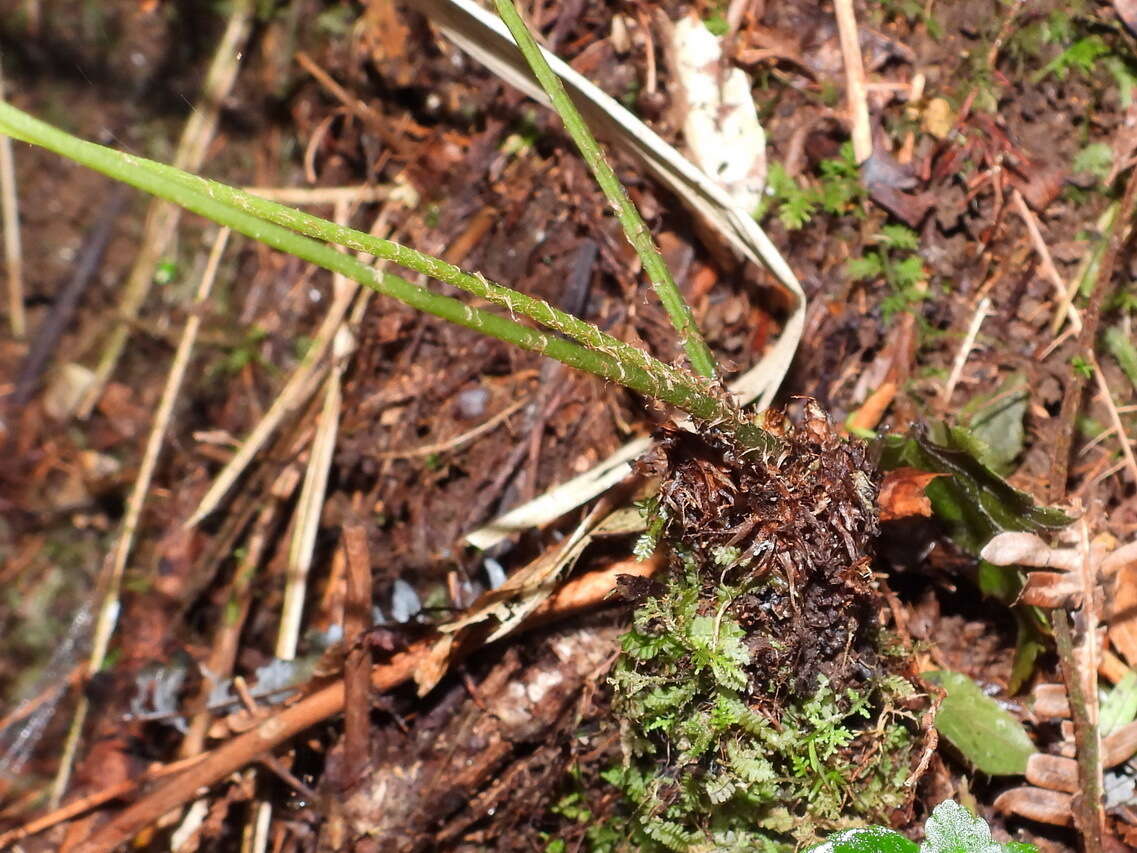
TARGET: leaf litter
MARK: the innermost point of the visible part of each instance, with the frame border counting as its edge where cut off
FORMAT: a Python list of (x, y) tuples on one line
[(531, 716)]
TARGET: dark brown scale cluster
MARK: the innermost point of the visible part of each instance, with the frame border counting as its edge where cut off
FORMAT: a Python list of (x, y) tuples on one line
[(799, 522)]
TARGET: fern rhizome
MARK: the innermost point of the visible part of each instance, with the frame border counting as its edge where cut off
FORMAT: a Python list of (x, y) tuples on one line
[(761, 703)]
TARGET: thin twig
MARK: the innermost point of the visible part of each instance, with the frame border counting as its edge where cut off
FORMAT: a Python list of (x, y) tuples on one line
[(1115, 418), (1087, 340), (91, 801), (965, 349), (584, 593), (1089, 261), (109, 609), (1085, 736), (10, 219), (458, 440), (1046, 261), (356, 676), (855, 92), (162, 217)]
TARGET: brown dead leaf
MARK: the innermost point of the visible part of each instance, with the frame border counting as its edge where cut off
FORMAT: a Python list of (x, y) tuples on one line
[(1123, 622), (1039, 186), (902, 494), (1053, 807)]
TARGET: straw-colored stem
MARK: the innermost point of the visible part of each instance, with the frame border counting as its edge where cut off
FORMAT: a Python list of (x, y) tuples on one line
[(10, 222), (111, 604), (162, 219)]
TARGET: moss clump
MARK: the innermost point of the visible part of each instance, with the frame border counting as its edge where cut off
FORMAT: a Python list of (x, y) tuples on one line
[(759, 704)]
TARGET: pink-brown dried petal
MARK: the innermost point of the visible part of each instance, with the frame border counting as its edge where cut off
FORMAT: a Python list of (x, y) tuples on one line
[(1119, 746), (1053, 807), (1052, 590), (1052, 772), (1050, 702)]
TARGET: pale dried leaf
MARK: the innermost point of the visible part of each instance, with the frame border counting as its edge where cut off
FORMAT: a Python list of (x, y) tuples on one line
[(1016, 548), (1052, 589), (1123, 619), (1052, 772), (721, 125), (1053, 807)]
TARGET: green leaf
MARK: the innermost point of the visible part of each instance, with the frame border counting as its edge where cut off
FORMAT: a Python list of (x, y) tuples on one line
[(1120, 346), (907, 272), (974, 502), (871, 839), (899, 237), (953, 829), (989, 737), (870, 266), (1119, 707), (996, 420), (1123, 74), (1080, 56), (1028, 646), (1096, 158)]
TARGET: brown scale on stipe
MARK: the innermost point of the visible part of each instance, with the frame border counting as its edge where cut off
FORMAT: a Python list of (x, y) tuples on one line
[(802, 520)]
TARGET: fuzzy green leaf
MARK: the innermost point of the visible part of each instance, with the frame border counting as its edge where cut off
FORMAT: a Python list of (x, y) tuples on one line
[(953, 829), (1096, 158), (993, 740), (996, 421), (868, 267), (870, 839)]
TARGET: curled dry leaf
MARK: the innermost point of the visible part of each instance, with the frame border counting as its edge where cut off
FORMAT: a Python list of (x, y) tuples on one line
[(1052, 589), (1122, 564), (902, 494), (1053, 807), (1027, 549), (1123, 620), (1053, 772), (1120, 745), (1062, 588), (1050, 702)]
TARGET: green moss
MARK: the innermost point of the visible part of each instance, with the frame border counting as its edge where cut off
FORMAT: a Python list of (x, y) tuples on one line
[(760, 704), (705, 770)]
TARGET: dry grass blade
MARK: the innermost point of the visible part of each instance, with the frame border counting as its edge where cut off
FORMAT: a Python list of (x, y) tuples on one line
[(162, 217), (855, 92), (306, 522), (964, 351), (295, 393), (109, 608), (10, 219), (361, 194)]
